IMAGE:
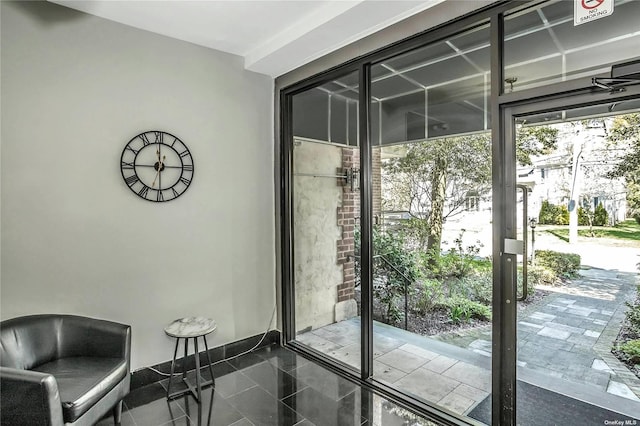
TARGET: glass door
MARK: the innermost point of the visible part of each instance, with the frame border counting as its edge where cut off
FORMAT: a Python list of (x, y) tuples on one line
[(571, 238)]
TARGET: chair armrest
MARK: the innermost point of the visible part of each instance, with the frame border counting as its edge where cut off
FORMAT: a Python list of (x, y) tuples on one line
[(93, 337), (29, 398)]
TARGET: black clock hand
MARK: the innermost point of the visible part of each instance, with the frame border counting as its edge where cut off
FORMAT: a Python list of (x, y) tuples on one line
[(160, 167)]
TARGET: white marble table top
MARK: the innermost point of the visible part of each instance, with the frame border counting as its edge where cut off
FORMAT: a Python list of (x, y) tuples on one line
[(190, 327)]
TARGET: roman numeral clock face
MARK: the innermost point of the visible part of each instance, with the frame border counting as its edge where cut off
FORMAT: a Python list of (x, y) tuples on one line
[(157, 166)]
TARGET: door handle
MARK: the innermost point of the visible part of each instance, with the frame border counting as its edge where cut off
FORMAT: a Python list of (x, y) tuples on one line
[(525, 256)]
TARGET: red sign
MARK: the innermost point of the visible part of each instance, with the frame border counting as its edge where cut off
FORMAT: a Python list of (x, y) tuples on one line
[(591, 4), (589, 10)]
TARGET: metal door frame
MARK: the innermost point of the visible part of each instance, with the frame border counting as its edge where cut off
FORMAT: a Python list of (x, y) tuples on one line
[(505, 227)]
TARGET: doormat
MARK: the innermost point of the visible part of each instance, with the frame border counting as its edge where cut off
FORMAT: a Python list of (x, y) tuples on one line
[(538, 406)]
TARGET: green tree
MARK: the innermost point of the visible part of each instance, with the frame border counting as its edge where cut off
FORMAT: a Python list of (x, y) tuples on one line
[(534, 140), (435, 177), (625, 134)]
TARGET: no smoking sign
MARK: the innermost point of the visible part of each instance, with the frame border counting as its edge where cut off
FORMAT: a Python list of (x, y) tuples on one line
[(589, 10)]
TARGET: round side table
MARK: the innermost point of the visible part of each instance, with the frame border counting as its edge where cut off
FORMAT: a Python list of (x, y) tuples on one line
[(190, 328)]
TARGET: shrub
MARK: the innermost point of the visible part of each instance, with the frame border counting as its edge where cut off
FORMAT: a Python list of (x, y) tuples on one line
[(394, 270), (479, 286), (539, 275), (546, 213), (562, 217), (632, 350), (457, 262), (462, 310), (564, 265), (531, 283), (600, 216), (430, 294), (583, 217), (633, 316), (551, 214)]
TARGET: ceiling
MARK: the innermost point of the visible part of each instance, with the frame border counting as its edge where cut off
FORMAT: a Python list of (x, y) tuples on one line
[(443, 89), (274, 37)]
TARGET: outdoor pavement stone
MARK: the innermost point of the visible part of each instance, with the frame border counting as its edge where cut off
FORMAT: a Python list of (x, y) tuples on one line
[(317, 342), (598, 378), (324, 332), (564, 327), (526, 335), (460, 341), (456, 403), (549, 344), (385, 344), (532, 354), (481, 344), (402, 360), (471, 392), (581, 312), (600, 365), (570, 360), (554, 333), (620, 389), (385, 373), (557, 308), (483, 353), (581, 339), (602, 317), (565, 301), (541, 316), (417, 350), (570, 321), (470, 375), (348, 354), (583, 349), (345, 339), (545, 371), (529, 325), (440, 364), (574, 371), (427, 384), (590, 333), (589, 325)]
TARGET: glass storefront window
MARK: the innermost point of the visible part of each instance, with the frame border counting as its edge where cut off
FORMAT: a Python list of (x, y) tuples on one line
[(326, 217), (543, 46)]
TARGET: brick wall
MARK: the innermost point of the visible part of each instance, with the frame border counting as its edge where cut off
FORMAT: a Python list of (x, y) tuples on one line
[(346, 217), (376, 182)]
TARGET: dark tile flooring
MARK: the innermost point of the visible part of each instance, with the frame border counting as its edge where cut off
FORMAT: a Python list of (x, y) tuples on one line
[(272, 386)]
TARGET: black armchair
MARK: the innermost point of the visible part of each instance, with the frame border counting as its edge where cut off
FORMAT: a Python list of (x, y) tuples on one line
[(62, 370)]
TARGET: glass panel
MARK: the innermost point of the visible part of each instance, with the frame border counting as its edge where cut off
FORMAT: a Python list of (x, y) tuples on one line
[(326, 215), (582, 266), (432, 235), (543, 46)]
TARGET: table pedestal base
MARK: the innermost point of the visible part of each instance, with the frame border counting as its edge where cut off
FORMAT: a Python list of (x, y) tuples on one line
[(196, 390)]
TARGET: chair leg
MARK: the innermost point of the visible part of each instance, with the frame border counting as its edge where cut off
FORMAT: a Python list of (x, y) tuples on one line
[(117, 413)]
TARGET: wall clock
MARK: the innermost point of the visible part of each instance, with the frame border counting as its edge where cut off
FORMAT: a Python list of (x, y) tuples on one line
[(157, 166)]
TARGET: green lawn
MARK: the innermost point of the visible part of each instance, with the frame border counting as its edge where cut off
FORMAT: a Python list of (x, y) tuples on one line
[(627, 230)]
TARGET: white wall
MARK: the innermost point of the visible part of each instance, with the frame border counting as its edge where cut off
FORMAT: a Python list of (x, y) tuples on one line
[(75, 239)]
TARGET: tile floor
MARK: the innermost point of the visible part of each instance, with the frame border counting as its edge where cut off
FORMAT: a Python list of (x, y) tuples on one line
[(271, 386)]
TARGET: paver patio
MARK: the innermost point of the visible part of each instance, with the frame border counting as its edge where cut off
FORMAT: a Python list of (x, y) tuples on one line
[(570, 334), (566, 337)]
